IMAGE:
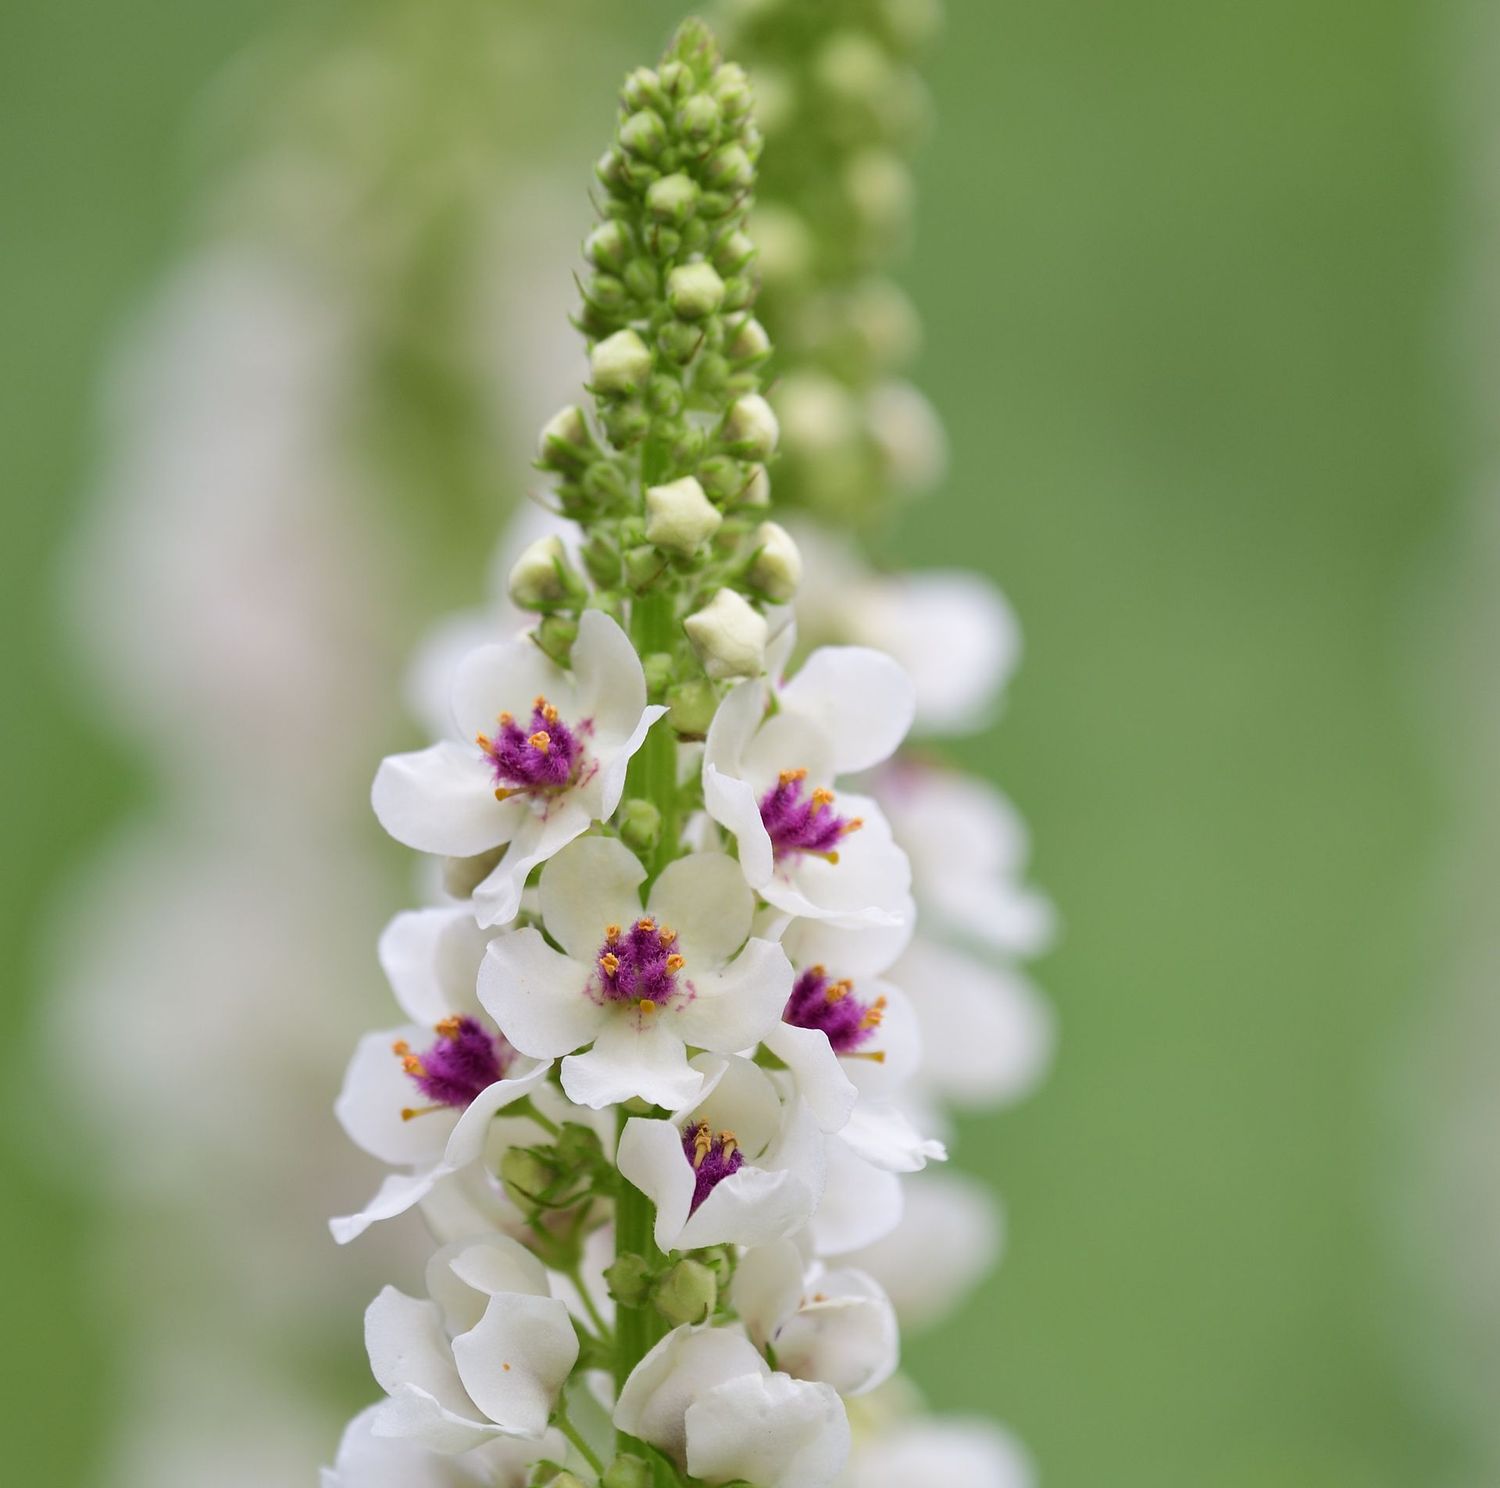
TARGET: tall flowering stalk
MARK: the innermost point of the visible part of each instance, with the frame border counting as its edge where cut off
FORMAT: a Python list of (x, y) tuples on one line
[(652, 1085)]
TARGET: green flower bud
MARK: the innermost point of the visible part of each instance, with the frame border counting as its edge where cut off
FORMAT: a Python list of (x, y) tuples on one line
[(673, 198), (627, 1471), (641, 278), (729, 636), (604, 482), (731, 87), (694, 290), (785, 245), (692, 706), (738, 292), (607, 246), (526, 1176), (747, 341), (699, 118), (620, 364), (750, 428), (609, 602), (675, 78), (606, 294), (626, 424), (734, 252), (601, 559), (566, 1479), (640, 826), (611, 170), (777, 567), (721, 477), (879, 188), (667, 242), (665, 397), (643, 134), (729, 169), (659, 668), (687, 445), (721, 1260), (542, 576), (679, 341), (642, 89), (565, 441), (628, 1280), (854, 69), (555, 636), (687, 1293), (679, 516), (643, 565)]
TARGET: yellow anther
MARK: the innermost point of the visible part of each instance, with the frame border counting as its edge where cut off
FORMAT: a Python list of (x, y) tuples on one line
[(541, 740), (611, 934), (401, 1047), (675, 963), (839, 990), (506, 719), (827, 857), (646, 1005), (703, 1144), (550, 713), (539, 703), (728, 1145), (852, 825), (819, 970), (483, 741), (667, 936), (410, 1113), (610, 962), (791, 777), (645, 924), (448, 1028), (505, 792), (875, 1056), (821, 797), (413, 1066)]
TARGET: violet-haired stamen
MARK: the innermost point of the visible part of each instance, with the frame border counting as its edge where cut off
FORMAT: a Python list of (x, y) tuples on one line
[(713, 1155), (831, 1006), (799, 821), (465, 1060)]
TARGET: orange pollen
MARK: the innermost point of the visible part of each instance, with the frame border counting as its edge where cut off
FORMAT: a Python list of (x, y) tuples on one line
[(541, 740), (410, 1113), (401, 1047), (875, 1056), (484, 742), (505, 792), (822, 797), (675, 963), (506, 719), (539, 702), (645, 923), (610, 962), (819, 970), (412, 1065), (730, 1144), (646, 1005), (827, 857), (668, 935), (839, 991), (702, 1145), (791, 777), (447, 1029), (853, 824), (611, 934), (550, 713)]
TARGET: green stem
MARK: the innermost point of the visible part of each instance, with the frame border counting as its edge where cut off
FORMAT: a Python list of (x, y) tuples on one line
[(524, 1107), (653, 771), (636, 1328), (605, 1332), (564, 1425)]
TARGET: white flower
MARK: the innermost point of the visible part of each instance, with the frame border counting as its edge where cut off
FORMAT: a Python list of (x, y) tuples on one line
[(987, 1035), (953, 1452), (968, 850), (422, 1096), (533, 787), (740, 1165), (486, 1356), (835, 1326), (767, 779), (952, 630), (366, 1460), (639, 987), (846, 1031), (706, 1398), (947, 1239)]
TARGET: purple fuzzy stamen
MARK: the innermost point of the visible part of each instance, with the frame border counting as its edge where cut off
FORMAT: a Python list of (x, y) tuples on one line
[(817, 1001), (544, 757), (466, 1059), (640, 964), (801, 821), (714, 1157)]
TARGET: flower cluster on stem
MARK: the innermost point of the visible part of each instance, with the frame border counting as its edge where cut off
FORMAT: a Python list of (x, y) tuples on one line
[(657, 1078)]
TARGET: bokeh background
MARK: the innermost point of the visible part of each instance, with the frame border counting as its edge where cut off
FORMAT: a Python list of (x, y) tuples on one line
[(1201, 287)]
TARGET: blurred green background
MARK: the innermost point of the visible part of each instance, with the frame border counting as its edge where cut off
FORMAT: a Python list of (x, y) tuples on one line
[(1180, 267)]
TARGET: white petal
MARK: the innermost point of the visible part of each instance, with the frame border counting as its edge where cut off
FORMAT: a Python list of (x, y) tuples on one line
[(376, 1089), (733, 726), (442, 800), (850, 951), (766, 1288), (431, 958), (987, 1032), (497, 900), (741, 1097), (397, 1193), (601, 792), (369, 1461), (787, 741), (869, 885), (466, 1142), (843, 1334), (506, 678), (516, 1359), (750, 1207), (650, 1156), (633, 1058), (821, 1080), (688, 1361), (607, 673), (591, 883), (538, 998), (898, 1041), (411, 1361), (705, 899), (860, 1204), (732, 803), (966, 1454), (948, 1240), (862, 700), (463, 1275), (881, 1135), (768, 1429), (738, 1006)]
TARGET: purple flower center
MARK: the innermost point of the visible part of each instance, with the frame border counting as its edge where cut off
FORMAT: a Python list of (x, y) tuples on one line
[(544, 757), (817, 1001), (801, 821), (639, 965), (714, 1156), (466, 1059)]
